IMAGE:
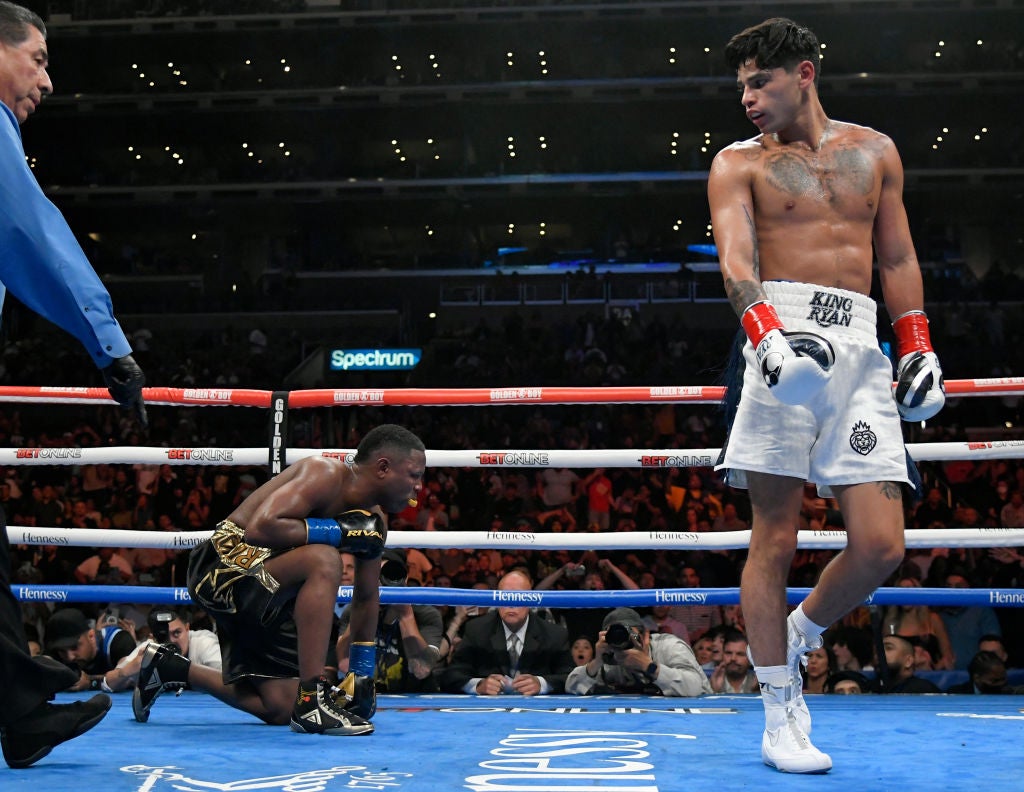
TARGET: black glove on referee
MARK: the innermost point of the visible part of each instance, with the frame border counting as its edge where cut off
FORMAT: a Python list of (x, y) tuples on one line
[(124, 380)]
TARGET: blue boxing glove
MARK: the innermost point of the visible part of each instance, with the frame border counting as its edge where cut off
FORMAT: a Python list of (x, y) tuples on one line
[(358, 687), (796, 366), (360, 695), (357, 531), (920, 391)]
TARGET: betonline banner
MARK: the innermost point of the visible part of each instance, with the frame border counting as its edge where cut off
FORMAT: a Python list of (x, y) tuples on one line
[(374, 359)]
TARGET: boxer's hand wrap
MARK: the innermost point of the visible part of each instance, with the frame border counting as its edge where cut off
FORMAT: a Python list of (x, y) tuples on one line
[(358, 532), (920, 390), (795, 365), (358, 688), (124, 381)]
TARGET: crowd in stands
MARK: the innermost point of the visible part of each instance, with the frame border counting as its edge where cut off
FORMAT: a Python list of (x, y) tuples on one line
[(593, 351), (146, 497)]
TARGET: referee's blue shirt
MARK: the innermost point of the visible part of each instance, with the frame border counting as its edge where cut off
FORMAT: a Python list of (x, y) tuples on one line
[(41, 262)]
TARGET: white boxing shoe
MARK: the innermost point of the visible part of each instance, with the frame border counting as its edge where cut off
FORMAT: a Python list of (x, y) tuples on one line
[(798, 645), (788, 749), (796, 701)]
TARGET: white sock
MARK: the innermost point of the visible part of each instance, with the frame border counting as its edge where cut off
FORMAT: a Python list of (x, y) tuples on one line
[(804, 624), (776, 676), (775, 680)]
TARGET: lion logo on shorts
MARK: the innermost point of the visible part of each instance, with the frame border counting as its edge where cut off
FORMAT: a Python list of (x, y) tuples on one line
[(862, 439)]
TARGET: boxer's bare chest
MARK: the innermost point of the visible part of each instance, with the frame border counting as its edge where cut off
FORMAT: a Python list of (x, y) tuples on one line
[(839, 182)]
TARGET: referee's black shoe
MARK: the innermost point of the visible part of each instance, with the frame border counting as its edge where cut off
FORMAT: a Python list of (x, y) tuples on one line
[(163, 669), (47, 726)]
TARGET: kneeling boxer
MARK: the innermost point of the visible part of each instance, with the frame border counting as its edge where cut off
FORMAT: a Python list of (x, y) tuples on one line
[(269, 578)]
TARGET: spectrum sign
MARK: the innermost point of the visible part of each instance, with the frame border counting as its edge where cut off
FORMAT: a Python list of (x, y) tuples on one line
[(375, 359)]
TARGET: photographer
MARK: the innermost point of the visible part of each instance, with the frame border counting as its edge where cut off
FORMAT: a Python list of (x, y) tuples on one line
[(628, 659), (408, 637)]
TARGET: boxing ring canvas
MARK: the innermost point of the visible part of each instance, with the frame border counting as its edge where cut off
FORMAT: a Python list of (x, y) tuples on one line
[(194, 743)]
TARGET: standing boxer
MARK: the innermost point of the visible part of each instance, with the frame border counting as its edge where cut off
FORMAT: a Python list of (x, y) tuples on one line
[(797, 211), (44, 267), (269, 577)]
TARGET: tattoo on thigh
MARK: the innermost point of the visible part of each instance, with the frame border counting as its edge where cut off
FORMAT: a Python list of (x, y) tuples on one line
[(891, 490)]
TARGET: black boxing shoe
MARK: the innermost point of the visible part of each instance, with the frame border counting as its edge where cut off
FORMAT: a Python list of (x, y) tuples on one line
[(162, 669), (317, 711), (47, 726)]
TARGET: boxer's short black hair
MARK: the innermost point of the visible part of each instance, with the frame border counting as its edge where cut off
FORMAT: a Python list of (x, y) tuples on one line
[(774, 43)]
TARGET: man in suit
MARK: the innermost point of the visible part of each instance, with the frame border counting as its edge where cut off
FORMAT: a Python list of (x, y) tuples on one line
[(510, 650)]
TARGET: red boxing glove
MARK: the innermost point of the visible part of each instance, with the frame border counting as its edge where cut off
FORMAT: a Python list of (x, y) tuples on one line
[(920, 391), (795, 366), (760, 319), (912, 333)]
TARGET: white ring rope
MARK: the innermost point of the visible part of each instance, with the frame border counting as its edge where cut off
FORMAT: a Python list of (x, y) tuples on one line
[(525, 540), (579, 458)]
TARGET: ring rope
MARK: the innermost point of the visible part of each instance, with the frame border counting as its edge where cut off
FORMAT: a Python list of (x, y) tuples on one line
[(597, 457), (409, 397), (524, 540), (416, 595)]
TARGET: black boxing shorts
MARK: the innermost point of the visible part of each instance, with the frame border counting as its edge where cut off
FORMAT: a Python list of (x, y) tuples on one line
[(255, 623)]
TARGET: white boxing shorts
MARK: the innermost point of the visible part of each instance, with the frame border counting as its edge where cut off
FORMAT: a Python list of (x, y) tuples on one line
[(850, 433)]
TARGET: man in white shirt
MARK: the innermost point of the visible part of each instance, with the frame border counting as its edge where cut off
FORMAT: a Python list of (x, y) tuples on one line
[(200, 646)]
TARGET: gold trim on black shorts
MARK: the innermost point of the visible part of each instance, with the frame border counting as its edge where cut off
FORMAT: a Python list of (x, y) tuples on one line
[(238, 555)]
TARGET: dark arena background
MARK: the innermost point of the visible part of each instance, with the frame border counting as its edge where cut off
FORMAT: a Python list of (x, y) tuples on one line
[(488, 221)]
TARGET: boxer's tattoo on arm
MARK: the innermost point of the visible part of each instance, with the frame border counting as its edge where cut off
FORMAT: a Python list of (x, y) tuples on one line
[(743, 294), (891, 490), (753, 242)]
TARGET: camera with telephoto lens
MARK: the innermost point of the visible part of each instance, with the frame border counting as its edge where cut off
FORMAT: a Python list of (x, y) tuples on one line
[(621, 637), (393, 569)]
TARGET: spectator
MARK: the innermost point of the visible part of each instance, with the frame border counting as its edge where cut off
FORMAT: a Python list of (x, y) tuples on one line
[(704, 651), (106, 567), (697, 618), (932, 511), (559, 520), (919, 621), (408, 637), (454, 626), (582, 650), (897, 673), (661, 620), (729, 520), (851, 647), (421, 568), (433, 517), (846, 683), (92, 651), (598, 489), (986, 676), (966, 624), (994, 644), (821, 663), (534, 657), (732, 616), (628, 659), (557, 487), (734, 674), (1012, 514)]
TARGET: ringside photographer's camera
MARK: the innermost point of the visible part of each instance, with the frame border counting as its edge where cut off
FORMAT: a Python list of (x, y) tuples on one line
[(624, 629), (393, 569), (622, 637)]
